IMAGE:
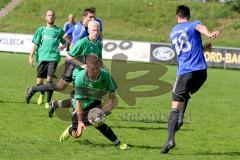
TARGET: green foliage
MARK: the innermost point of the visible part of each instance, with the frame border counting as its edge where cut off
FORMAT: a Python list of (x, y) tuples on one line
[(3, 3), (236, 5), (141, 20)]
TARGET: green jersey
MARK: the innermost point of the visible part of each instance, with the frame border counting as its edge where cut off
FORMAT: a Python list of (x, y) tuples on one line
[(85, 47), (88, 90), (47, 39)]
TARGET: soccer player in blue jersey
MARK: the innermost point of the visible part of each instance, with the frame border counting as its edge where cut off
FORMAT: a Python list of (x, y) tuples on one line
[(192, 68), (71, 22), (79, 30)]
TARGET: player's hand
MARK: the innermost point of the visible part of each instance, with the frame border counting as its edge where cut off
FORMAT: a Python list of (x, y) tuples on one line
[(84, 66), (31, 61), (62, 47), (80, 128), (214, 34), (107, 108), (207, 47)]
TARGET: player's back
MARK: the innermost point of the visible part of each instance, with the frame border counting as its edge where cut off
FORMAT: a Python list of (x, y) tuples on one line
[(187, 43), (78, 31)]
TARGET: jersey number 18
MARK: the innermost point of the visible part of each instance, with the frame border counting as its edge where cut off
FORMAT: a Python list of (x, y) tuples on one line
[(182, 44)]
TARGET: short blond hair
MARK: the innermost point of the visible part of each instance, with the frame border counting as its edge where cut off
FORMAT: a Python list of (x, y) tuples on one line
[(93, 23)]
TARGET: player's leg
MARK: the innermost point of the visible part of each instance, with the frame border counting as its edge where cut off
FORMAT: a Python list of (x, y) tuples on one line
[(179, 99), (41, 96), (60, 86), (52, 65), (109, 134), (66, 103), (72, 129), (198, 79), (181, 115), (41, 75)]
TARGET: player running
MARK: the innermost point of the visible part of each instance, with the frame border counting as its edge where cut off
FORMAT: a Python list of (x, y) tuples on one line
[(71, 22), (192, 68), (46, 46), (88, 83), (76, 56)]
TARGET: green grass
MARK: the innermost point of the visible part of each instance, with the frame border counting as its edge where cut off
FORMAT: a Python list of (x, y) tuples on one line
[(3, 3), (142, 20), (27, 132)]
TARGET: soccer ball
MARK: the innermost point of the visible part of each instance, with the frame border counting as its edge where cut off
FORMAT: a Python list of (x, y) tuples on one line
[(96, 117)]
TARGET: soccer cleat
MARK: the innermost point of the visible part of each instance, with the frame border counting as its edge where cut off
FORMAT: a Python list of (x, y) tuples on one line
[(65, 135), (40, 99), (29, 95), (46, 105), (169, 145), (52, 107), (123, 146)]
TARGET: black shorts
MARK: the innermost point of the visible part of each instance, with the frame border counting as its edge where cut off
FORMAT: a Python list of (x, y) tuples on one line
[(68, 71), (46, 69), (187, 84), (95, 104)]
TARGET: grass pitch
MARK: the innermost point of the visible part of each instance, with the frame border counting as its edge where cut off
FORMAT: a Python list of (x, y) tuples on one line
[(212, 131)]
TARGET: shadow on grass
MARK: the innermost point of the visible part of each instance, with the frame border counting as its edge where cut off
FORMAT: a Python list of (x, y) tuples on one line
[(12, 102), (140, 128), (89, 143), (219, 153), (148, 122), (128, 107), (147, 128)]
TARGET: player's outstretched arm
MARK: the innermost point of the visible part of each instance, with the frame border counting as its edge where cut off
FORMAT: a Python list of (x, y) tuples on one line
[(30, 57), (76, 61), (62, 47), (204, 30), (109, 106), (81, 125)]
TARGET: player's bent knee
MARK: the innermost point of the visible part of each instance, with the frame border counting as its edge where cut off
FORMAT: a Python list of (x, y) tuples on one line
[(61, 85), (180, 97)]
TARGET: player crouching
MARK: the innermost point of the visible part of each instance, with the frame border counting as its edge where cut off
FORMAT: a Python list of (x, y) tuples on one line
[(90, 85)]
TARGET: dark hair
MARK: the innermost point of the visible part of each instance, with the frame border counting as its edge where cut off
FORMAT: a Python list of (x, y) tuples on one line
[(183, 11), (88, 10), (93, 8)]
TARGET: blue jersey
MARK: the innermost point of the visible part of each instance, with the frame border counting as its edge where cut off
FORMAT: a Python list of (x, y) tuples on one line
[(187, 42), (100, 24), (67, 26), (100, 27), (78, 31)]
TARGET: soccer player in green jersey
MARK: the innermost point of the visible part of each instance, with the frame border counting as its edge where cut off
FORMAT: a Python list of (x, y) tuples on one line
[(46, 42), (90, 81), (85, 46), (76, 58)]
